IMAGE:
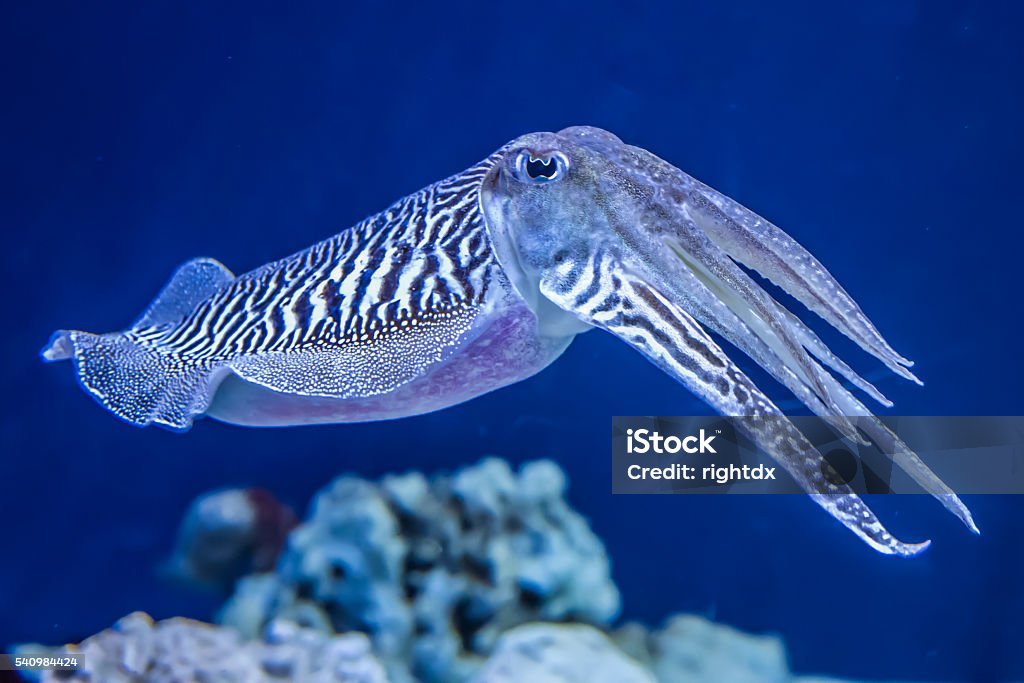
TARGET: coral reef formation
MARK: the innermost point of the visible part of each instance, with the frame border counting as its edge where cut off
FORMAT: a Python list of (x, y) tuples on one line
[(435, 570), (484, 576)]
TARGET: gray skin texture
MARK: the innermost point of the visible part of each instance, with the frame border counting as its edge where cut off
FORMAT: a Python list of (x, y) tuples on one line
[(591, 230)]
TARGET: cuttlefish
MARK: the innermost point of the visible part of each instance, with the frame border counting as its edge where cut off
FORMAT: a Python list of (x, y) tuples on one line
[(482, 280)]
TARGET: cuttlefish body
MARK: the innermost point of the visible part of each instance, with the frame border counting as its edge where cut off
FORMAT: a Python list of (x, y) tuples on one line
[(482, 280)]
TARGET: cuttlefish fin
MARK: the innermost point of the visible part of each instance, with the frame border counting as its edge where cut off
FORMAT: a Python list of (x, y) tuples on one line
[(193, 282), (133, 376), (633, 308)]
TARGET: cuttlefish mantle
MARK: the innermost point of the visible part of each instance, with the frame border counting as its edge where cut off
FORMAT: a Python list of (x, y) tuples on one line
[(483, 279)]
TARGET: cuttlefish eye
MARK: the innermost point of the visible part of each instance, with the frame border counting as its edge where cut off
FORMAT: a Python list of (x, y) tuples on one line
[(531, 167)]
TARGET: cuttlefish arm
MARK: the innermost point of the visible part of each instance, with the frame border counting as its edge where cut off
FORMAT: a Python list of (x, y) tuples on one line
[(633, 309), (624, 241), (762, 246), (801, 373)]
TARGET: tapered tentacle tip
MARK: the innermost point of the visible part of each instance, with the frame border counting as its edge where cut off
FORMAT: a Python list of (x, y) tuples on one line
[(909, 549), (903, 372), (874, 393), (965, 516), (952, 502)]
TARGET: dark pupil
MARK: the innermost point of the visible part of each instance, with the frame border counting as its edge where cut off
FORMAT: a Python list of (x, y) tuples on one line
[(537, 169)]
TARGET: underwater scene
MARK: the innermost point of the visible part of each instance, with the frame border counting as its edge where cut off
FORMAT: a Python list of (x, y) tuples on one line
[(333, 327)]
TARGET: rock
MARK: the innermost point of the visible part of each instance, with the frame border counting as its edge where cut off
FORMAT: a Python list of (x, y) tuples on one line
[(229, 533)]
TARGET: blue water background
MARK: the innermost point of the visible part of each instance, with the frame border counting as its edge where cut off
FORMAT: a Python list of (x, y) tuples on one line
[(885, 136)]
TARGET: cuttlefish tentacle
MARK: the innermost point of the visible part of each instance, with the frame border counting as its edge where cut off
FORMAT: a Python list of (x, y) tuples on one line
[(621, 214), (787, 358), (762, 246), (697, 216), (483, 279), (759, 244), (843, 405), (840, 401), (630, 307), (706, 299), (813, 343), (757, 308), (901, 454)]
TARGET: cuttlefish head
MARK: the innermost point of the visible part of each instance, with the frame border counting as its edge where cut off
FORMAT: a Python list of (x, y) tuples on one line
[(593, 232), (556, 199)]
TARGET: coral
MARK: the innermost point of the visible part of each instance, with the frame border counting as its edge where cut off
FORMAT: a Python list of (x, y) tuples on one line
[(562, 653), (485, 576), (436, 570), (692, 649), (137, 650), (689, 649)]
